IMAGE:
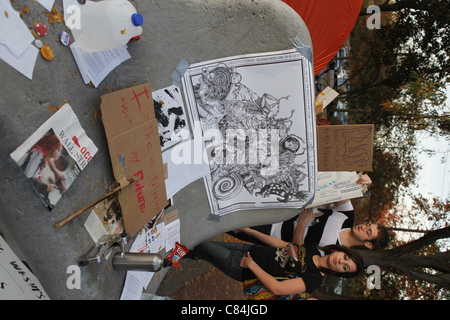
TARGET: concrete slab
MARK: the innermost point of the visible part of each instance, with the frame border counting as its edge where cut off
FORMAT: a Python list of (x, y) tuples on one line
[(194, 30)]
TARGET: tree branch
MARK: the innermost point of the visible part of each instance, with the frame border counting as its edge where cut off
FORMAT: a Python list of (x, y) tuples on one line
[(409, 264), (397, 6), (426, 240), (442, 280), (407, 230), (438, 261)]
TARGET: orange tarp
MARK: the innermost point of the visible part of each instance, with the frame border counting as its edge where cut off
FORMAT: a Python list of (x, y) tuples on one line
[(329, 22)]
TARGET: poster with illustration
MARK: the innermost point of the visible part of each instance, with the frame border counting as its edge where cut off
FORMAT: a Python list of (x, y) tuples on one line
[(256, 114), (172, 120), (54, 155)]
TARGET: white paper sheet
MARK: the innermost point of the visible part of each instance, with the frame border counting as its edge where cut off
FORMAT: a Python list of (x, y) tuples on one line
[(16, 47), (14, 32), (184, 165), (336, 186), (25, 63), (47, 4), (150, 240), (134, 282), (95, 66), (172, 234)]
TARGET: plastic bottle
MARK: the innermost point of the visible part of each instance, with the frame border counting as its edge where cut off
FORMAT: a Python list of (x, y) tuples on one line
[(107, 24)]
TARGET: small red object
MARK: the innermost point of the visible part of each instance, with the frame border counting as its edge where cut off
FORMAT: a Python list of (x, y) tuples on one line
[(41, 29), (134, 39), (177, 254)]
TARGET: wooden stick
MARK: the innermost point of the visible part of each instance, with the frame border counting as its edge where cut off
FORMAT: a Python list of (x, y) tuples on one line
[(93, 203)]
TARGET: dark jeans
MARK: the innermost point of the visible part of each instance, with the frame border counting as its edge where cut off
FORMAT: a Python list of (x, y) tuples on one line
[(225, 256)]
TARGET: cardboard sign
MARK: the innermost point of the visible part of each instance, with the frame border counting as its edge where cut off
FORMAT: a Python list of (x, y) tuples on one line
[(133, 140), (345, 147), (324, 98)]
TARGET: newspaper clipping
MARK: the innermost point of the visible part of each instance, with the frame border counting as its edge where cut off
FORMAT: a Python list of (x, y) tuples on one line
[(54, 155)]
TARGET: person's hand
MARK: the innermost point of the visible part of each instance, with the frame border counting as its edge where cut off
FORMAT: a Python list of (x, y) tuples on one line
[(51, 187), (308, 215), (246, 261), (365, 180)]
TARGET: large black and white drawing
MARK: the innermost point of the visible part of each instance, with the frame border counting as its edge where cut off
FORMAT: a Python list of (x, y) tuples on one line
[(257, 120)]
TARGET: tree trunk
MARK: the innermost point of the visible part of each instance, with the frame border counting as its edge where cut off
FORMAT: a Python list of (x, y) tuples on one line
[(402, 260), (407, 230)]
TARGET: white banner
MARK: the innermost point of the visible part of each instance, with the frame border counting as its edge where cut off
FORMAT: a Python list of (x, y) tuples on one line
[(16, 280)]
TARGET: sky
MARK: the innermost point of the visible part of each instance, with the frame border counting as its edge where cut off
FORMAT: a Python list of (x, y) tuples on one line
[(435, 176)]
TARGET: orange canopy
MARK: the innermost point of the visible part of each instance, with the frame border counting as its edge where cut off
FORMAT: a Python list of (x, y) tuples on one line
[(329, 22)]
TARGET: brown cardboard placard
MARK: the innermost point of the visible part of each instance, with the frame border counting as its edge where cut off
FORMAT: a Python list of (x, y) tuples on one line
[(345, 147), (125, 109), (132, 133), (170, 217)]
